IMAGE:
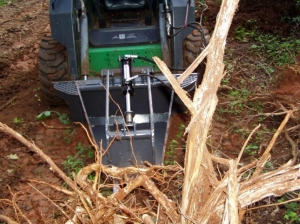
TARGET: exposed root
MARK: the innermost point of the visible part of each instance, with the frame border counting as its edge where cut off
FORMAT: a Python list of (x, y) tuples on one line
[(230, 196), (7, 219), (54, 127)]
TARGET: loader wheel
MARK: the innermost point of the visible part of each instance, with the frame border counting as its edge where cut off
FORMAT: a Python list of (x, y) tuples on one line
[(193, 45), (53, 67)]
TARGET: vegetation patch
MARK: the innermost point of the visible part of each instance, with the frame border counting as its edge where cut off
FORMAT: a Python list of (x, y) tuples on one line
[(5, 2), (75, 163)]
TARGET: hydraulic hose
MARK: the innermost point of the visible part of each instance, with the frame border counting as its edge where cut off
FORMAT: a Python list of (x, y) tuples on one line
[(84, 55)]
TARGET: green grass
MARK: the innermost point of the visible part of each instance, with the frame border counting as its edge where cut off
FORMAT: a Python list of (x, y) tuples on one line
[(5, 2), (278, 50)]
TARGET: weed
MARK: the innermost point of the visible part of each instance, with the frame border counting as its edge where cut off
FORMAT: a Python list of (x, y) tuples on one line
[(243, 132), (225, 81), (236, 107), (18, 121), (84, 150), (174, 143), (63, 118), (293, 20), (181, 129), (172, 146), (76, 163), (257, 106), (170, 152), (69, 135), (292, 211), (269, 165), (239, 93), (229, 67), (279, 50), (261, 119), (5, 2), (259, 136), (73, 164), (247, 174), (243, 35), (251, 149), (57, 214), (38, 172), (237, 104)]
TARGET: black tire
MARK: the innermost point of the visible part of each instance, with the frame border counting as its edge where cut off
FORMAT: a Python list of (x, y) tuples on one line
[(193, 45), (53, 67)]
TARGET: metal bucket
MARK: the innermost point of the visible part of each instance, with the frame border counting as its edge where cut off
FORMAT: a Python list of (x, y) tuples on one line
[(100, 103)]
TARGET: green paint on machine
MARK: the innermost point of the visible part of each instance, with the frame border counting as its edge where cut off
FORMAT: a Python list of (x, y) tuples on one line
[(108, 57)]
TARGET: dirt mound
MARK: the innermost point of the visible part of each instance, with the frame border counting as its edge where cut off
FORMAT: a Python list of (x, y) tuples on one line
[(289, 82)]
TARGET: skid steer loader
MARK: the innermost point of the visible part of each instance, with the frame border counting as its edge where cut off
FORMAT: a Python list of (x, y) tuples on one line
[(99, 61)]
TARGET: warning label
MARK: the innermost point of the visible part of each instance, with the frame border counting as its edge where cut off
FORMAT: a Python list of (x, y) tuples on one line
[(123, 36)]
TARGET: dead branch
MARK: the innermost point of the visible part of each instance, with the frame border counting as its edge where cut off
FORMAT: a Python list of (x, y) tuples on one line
[(294, 128), (216, 198), (270, 114), (275, 204), (295, 151), (247, 167), (219, 159), (147, 219), (233, 192), (175, 84), (8, 220), (5, 21), (8, 102), (274, 183), (57, 188), (246, 142), (195, 64), (264, 158), (93, 143)]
